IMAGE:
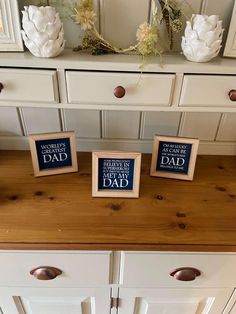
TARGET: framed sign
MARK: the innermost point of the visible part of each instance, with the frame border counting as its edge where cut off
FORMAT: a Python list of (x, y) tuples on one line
[(230, 45), (174, 157), (53, 153), (10, 34), (116, 174)]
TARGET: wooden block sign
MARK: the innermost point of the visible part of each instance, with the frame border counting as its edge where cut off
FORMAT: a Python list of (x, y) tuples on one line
[(174, 157), (116, 174), (53, 153)]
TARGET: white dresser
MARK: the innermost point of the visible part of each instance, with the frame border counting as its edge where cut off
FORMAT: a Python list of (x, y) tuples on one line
[(76, 92)]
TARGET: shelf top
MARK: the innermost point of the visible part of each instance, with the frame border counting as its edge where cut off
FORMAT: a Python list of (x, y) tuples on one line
[(69, 59), (58, 212)]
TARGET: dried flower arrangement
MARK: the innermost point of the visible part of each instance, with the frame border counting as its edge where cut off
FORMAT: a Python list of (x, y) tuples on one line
[(148, 34)]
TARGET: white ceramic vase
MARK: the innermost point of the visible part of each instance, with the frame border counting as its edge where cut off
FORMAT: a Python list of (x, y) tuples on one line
[(202, 38), (42, 32)]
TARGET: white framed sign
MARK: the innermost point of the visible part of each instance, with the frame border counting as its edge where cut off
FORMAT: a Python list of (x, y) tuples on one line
[(10, 30), (230, 45)]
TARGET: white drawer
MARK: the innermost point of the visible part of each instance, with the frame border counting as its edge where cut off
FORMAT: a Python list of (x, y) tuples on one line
[(29, 85), (147, 269), (98, 87), (207, 90), (79, 269)]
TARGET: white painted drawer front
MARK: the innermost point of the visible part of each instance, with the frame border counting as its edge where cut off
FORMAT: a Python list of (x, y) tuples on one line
[(29, 85), (81, 269), (97, 88), (146, 269), (207, 90)]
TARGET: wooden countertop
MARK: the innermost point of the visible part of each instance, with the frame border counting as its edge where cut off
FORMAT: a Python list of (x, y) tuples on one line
[(58, 212)]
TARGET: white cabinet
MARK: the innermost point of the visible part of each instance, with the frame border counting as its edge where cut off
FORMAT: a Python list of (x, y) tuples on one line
[(231, 305), (83, 282), (112, 103), (55, 282), (173, 301), (17, 300), (176, 283)]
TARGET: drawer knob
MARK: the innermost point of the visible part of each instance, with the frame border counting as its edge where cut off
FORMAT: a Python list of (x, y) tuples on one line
[(1, 87), (232, 94), (185, 273), (45, 272), (119, 92)]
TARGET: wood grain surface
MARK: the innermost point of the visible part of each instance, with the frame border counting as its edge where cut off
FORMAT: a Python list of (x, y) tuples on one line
[(58, 212)]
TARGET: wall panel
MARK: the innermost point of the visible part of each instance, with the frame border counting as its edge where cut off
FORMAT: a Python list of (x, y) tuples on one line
[(159, 123), (9, 122), (41, 120), (227, 129), (121, 124), (85, 123), (200, 125)]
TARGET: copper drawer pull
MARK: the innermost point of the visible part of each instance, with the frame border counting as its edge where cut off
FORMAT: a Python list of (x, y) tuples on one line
[(185, 273), (45, 272), (119, 92), (1, 87), (232, 94)]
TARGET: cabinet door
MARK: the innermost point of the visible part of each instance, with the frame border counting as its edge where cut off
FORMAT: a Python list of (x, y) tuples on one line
[(231, 306), (173, 301), (54, 301)]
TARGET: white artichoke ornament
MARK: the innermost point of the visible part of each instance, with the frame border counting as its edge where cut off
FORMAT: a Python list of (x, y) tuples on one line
[(42, 32), (203, 37)]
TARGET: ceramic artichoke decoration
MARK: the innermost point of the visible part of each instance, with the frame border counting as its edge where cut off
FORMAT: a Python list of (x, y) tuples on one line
[(42, 32), (203, 37)]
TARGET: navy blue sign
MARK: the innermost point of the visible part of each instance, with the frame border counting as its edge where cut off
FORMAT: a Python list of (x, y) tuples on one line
[(173, 157), (115, 174), (54, 153)]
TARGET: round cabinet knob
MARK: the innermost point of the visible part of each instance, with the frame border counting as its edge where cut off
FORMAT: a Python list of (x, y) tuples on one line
[(185, 273), (232, 94), (119, 92), (1, 87), (45, 272)]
